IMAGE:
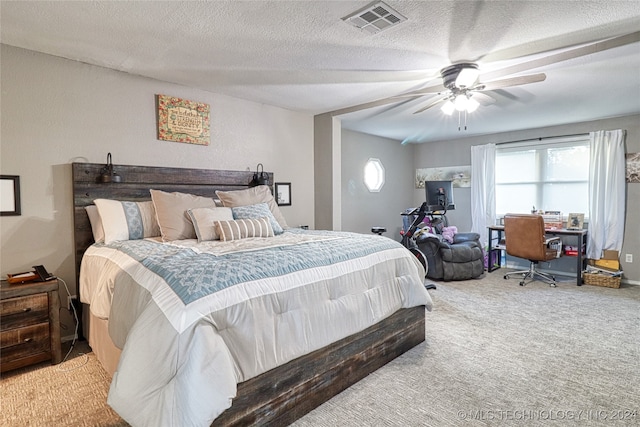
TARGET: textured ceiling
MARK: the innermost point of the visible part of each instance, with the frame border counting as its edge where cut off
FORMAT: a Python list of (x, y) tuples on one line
[(301, 56)]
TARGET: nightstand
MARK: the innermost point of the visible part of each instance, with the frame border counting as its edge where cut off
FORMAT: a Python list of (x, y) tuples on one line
[(29, 324)]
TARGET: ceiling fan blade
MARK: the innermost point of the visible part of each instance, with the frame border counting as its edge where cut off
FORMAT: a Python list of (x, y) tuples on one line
[(566, 55), (390, 100), (483, 98), (436, 102), (513, 81), (367, 105), (438, 90)]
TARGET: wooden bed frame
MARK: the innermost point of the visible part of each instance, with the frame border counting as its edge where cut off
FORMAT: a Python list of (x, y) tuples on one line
[(283, 394)]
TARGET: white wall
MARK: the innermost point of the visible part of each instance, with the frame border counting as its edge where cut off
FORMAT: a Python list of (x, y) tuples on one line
[(362, 209), (56, 111)]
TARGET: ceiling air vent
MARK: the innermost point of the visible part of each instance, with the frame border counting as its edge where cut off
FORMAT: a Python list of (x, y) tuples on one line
[(375, 18)]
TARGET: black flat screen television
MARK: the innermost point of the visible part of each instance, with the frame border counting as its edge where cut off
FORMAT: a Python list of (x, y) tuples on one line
[(439, 195)]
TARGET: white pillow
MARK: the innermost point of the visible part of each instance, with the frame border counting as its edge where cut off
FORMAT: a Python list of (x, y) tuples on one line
[(122, 220), (96, 223), (203, 221)]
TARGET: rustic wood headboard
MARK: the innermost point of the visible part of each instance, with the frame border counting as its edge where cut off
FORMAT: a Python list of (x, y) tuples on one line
[(135, 186)]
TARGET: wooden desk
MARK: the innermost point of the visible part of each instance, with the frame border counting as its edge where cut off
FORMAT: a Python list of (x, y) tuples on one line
[(496, 234)]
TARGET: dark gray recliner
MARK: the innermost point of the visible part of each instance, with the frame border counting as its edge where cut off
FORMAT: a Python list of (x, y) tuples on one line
[(461, 260)]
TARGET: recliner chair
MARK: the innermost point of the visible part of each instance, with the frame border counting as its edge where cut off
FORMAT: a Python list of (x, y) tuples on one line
[(461, 260)]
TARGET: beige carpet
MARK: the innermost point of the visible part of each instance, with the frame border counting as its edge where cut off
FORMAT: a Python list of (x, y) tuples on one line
[(72, 393), (496, 354)]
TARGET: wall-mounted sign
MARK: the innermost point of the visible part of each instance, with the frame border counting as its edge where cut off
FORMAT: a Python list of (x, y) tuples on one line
[(181, 120)]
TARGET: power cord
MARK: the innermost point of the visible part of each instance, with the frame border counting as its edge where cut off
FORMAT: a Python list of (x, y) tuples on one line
[(75, 334)]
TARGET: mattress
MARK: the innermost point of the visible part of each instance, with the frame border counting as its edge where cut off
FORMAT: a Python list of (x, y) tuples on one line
[(195, 319)]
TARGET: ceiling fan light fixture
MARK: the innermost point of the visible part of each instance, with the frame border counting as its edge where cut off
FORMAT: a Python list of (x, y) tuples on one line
[(461, 102), (472, 105), (467, 77), (448, 107)]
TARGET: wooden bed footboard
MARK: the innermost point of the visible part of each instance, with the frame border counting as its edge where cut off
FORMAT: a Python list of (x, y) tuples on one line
[(286, 393)]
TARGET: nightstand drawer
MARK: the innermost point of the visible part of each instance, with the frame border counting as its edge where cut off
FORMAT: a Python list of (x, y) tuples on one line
[(24, 311), (23, 342)]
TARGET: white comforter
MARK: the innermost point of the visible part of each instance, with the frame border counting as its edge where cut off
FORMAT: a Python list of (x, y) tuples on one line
[(185, 349)]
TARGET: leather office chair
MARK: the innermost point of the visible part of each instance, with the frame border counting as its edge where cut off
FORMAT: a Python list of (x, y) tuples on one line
[(525, 238)]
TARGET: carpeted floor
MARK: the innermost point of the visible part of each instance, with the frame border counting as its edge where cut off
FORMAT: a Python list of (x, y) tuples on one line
[(496, 354)]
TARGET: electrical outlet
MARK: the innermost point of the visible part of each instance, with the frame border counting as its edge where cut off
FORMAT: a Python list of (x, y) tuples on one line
[(71, 300), (628, 258)]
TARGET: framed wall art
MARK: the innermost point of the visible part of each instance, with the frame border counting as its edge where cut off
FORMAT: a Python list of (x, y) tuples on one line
[(459, 175), (575, 221), (633, 167), (9, 195), (283, 193), (180, 120)]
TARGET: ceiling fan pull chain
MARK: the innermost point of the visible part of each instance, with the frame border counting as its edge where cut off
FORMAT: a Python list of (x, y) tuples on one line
[(459, 118), (465, 120)]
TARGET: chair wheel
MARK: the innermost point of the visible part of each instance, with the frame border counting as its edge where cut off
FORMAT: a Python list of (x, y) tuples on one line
[(553, 285), (505, 276), (522, 283)]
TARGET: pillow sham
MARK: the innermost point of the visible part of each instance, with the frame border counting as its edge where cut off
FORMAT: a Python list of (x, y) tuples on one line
[(203, 221), (171, 211), (243, 228), (252, 196), (96, 223), (260, 210), (122, 220)]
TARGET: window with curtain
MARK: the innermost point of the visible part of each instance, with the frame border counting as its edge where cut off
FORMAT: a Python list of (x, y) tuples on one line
[(552, 175)]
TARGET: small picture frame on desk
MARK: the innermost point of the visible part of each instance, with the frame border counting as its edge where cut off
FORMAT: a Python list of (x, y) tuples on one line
[(575, 221)]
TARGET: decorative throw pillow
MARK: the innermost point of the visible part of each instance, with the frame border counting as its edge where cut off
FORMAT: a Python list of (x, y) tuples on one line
[(260, 210), (203, 221), (171, 211), (123, 220), (243, 228), (96, 223), (252, 196)]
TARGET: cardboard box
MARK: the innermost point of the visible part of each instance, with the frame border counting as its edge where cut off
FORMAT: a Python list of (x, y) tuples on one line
[(610, 264), (607, 254)]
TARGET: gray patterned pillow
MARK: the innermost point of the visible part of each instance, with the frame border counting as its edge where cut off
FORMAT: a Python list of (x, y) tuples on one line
[(260, 210), (243, 228)]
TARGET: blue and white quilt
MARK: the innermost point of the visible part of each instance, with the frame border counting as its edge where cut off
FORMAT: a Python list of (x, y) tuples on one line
[(194, 319)]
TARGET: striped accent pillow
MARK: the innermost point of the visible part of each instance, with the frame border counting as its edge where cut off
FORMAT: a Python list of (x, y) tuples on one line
[(243, 228)]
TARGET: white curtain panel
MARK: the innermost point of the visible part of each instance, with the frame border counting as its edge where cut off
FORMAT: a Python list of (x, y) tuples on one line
[(483, 194), (606, 192)]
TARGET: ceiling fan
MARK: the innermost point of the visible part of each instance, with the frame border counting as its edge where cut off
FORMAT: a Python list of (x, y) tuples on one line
[(461, 90), (463, 84)]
